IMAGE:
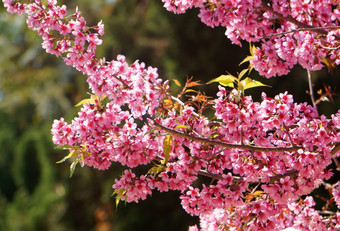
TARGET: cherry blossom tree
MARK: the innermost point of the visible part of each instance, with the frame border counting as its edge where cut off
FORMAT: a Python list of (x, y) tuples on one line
[(263, 158)]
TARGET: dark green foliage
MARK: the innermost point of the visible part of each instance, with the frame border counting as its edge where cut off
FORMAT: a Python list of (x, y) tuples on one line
[(28, 180)]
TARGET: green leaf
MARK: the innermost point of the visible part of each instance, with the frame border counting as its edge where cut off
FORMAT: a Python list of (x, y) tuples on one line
[(82, 157), (224, 80), (214, 135), (85, 101), (252, 49), (242, 73), (182, 126), (66, 146), (157, 169), (251, 67), (191, 90), (246, 59), (73, 166), (72, 153), (92, 100), (167, 145), (154, 170), (120, 193), (250, 83)]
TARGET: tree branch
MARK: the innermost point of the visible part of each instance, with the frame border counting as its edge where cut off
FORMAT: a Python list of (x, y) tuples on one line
[(296, 22), (227, 145), (292, 173), (303, 29), (336, 148), (336, 160)]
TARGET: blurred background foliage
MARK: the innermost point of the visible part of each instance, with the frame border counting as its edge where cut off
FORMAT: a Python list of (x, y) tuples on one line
[(36, 88)]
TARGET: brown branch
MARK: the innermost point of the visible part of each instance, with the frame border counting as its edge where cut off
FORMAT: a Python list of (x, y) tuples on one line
[(273, 179), (336, 160), (291, 173), (210, 175), (337, 163), (302, 29), (227, 145), (296, 22), (336, 148), (287, 132)]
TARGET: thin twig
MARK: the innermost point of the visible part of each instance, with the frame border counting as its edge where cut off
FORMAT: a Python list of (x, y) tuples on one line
[(290, 138), (241, 134), (329, 48), (214, 154), (181, 103), (121, 81), (325, 213), (177, 100), (227, 145), (310, 84), (336, 160)]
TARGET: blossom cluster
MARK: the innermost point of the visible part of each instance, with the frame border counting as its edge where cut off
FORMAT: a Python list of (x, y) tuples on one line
[(262, 156), (296, 216), (134, 86), (282, 175), (291, 32)]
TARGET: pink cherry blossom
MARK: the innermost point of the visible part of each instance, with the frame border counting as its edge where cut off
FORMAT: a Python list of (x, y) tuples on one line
[(263, 157)]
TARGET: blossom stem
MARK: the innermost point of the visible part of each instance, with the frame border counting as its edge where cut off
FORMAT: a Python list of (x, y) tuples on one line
[(121, 81)]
